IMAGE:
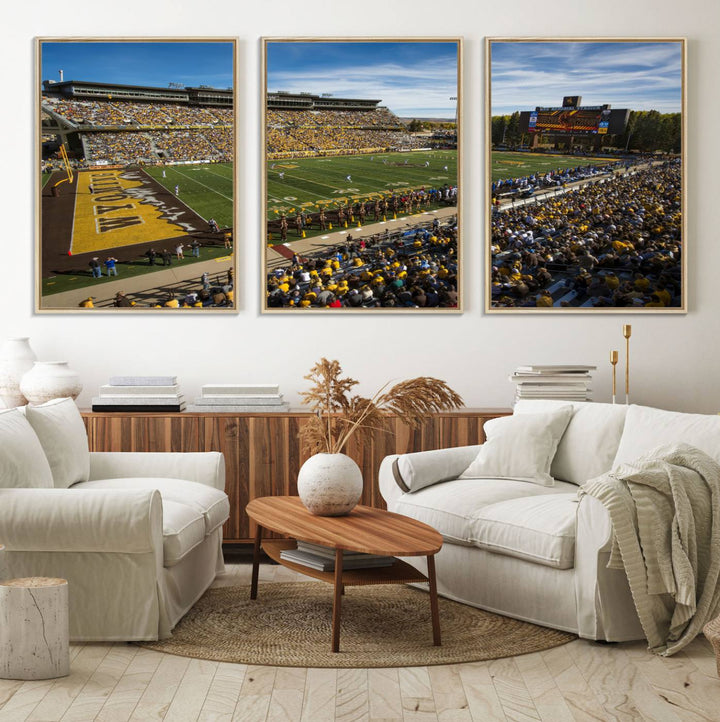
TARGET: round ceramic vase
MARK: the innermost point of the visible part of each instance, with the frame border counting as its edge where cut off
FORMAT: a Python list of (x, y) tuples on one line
[(330, 484), (49, 380), (16, 358)]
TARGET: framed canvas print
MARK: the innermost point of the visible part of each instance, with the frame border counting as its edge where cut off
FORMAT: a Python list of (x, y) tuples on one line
[(136, 144), (361, 175), (585, 175)]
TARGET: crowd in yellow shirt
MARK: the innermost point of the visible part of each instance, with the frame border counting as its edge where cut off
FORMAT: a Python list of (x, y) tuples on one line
[(616, 242)]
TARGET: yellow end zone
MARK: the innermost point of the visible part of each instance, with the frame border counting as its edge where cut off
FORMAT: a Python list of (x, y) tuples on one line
[(113, 216)]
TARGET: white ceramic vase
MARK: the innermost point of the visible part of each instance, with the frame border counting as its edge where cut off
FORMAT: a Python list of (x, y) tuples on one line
[(330, 484), (16, 358), (49, 380)]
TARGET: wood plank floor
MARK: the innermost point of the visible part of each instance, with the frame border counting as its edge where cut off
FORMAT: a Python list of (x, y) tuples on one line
[(579, 681)]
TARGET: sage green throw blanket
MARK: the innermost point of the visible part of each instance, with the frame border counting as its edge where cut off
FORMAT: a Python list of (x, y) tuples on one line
[(665, 512)]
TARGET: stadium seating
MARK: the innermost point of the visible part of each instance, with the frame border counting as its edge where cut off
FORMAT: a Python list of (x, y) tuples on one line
[(136, 132), (315, 132)]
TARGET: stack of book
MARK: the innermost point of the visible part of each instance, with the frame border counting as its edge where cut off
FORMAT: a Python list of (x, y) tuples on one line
[(322, 558), (563, 382), (240, 398), (140, 393)]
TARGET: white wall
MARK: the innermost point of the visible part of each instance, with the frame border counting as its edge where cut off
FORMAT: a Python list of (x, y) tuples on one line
[(674, 357)]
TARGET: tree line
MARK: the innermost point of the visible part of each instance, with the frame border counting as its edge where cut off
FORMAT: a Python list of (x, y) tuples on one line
[(646, 131)]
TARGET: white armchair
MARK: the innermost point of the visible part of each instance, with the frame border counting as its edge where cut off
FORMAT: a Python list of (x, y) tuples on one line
[(137, 536)]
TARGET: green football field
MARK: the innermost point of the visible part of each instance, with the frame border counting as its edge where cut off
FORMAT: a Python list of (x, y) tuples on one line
[(207, 188), (314, 182), (515, 165)]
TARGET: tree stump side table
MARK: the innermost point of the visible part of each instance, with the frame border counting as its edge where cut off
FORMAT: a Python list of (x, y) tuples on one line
[(34, 628)]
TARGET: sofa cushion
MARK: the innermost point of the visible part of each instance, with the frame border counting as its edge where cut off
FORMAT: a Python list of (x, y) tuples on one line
[(22, 460), (520, 447), (183, 530), (212, 504), (419, 469), (454, 508), (647, 428), (61, 431), (540, 529), (591, 439)]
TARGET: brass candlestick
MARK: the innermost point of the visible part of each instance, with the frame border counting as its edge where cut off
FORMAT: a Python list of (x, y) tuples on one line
[(627, 331), (613, 361)]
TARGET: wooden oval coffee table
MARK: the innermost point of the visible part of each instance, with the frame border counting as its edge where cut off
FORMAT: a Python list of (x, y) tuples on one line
[(364, 529)]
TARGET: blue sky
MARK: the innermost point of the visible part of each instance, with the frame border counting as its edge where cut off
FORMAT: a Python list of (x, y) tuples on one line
[(140, 63), (411, 78), (635, 75)]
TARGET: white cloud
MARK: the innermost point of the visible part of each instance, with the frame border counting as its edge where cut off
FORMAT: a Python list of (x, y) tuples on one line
[(405, 90)]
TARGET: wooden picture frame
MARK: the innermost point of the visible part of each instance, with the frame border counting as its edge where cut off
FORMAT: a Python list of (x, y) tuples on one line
[(356, 218), (586, 177), (136, 152)]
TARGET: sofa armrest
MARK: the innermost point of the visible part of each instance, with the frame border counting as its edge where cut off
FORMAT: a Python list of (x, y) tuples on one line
[(206, 467), (389, 489), (411, 472), (81, 520), (604, 602)]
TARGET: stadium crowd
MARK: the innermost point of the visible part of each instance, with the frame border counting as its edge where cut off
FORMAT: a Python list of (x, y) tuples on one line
[(216, 291), (135, 114), (147, 132), (416, 268), (376, 208), (318, 131), (554, 178), (610, 242), (212, 144)]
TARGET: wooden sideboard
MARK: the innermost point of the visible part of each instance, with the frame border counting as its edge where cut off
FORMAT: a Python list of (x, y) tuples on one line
[(262, 454)]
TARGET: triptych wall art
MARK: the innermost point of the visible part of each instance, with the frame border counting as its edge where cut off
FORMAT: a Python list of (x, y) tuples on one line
[(137, 193), (138, 196)]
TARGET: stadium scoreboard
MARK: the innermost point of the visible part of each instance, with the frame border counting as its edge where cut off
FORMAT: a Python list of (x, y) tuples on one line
[(573, 119)]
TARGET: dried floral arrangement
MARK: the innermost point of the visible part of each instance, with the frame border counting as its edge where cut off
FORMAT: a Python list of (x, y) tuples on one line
[(339, 415)]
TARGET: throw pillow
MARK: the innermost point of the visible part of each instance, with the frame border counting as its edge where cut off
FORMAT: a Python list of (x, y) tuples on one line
[(61, 431), (520, 447), (22, 460), (590, 442)]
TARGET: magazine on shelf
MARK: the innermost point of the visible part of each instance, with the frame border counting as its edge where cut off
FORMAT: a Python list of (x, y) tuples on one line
[(168, 408), (239, 409), (240, 400), (143, 380), (323, 564), (240, 389), (530, 379), (110, 390), (139, 400), (554, 369), (329, 552)]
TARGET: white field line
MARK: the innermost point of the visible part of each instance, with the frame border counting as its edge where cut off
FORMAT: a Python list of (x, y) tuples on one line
[(219, 175), (190, 178)]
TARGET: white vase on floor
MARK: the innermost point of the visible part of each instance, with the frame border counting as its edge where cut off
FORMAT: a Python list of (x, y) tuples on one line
[(330, 484), (16, 358), (49, 380)]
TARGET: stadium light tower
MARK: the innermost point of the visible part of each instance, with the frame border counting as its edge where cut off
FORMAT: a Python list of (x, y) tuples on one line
[(454, 97)]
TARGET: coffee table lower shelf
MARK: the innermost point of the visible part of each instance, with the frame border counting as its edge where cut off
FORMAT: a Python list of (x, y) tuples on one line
[(399, 572)]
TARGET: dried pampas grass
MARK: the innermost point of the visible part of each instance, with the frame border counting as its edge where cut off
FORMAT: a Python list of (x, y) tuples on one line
[(340, 415)]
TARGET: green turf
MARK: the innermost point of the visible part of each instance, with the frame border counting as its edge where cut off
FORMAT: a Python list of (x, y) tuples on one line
[(515, 165), (314, 182), (126, 269), (204, 187)]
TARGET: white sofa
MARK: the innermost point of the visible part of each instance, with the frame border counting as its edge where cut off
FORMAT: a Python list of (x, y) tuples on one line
[(539, 553), (138, 536)]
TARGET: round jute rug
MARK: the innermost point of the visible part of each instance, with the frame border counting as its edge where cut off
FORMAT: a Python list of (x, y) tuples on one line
[(289, 625)]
